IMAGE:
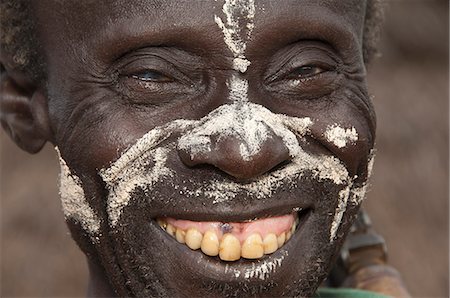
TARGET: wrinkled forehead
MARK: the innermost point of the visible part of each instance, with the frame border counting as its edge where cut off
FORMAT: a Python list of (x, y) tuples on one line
[(91, 23)]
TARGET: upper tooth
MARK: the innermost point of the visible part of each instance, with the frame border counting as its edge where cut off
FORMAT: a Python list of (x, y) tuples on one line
[(288, 235), (162, 223), (270, 243), (230, 248), (252, 248), (193, 238), (281, 239), (170, 230), (180, 235), (210, 244)]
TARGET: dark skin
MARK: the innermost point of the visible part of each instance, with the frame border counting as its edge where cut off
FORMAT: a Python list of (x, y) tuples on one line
[(95, 105)]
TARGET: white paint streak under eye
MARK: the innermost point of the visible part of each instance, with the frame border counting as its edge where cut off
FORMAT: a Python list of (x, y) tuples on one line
[(73, 200), (358, 194), (147, 142), (351, 195), (237, 12), (340, 136), (119, 196), (370, 163), (144, 164), (340, 210)]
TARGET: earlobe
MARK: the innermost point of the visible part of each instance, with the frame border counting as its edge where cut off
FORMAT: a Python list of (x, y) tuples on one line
[(24, 114)]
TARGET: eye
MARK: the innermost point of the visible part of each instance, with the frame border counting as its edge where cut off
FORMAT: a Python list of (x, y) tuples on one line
[(306, 71), (152, 76)]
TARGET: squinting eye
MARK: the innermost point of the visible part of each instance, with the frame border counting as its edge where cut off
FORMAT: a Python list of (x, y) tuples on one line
[(306, 72), (151, 76)]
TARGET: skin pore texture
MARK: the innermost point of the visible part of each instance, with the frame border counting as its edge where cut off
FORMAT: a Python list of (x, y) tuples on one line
[(231, 112)]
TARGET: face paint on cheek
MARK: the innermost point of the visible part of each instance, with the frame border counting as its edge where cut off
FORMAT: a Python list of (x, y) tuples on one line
[(340, 210), (143, 164), (73, 200), (358, 194), (252, 124), (340, 136)]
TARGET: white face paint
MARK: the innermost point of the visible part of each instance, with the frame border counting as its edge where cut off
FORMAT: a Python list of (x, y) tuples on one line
[(340, 210), (262, 270), (73, 200), (358, 194), (237, 11), (130, 171), (249, 123), (340, 136)]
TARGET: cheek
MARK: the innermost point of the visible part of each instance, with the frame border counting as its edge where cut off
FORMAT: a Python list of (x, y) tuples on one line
[(347, 130)]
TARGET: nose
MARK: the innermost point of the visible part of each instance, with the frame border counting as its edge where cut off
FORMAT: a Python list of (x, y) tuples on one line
[(243, 152)]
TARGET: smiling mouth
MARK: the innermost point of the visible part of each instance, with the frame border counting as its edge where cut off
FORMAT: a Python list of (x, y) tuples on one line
[(231, 241)]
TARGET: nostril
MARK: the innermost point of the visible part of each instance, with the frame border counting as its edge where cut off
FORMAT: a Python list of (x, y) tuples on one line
[(280, 166), (225, 153), (186, 157)]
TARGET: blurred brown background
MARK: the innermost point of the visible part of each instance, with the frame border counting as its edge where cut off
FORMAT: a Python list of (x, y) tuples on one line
[(408, 202)]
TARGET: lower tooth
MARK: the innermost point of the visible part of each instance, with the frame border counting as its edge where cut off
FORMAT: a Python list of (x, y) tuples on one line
[(230, 248), (281, 239), (210, 244), (193, 238), (270, 243), (253, 247)]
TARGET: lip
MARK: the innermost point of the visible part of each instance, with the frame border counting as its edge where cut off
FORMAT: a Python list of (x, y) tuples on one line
[(216, 269), (229, 214)]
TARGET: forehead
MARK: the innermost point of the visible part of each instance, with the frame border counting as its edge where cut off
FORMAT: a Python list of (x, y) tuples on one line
[(121, 24)]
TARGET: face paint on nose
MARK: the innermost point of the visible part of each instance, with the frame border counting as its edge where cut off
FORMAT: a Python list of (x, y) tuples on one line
[(248, 122), (144, 163), (73, 200)]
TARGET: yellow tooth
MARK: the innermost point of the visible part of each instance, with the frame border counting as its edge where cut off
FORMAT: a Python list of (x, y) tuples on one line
[(288, 235), (162, 223), (193, 238), (270, 243), (210, 244), (170, 230), (281, 239), (294, 226), (253, 247), (230, 248), (180, 235)]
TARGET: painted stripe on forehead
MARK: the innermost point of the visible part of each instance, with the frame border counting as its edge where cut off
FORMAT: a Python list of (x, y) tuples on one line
[(239, 15)]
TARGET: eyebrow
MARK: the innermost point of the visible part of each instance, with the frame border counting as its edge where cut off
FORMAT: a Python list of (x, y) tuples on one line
[(132, 30)]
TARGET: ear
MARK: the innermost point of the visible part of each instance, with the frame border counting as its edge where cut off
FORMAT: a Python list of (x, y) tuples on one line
[(23, 109)]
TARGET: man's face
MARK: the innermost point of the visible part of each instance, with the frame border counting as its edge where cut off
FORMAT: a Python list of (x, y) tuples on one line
[(209, 147)]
